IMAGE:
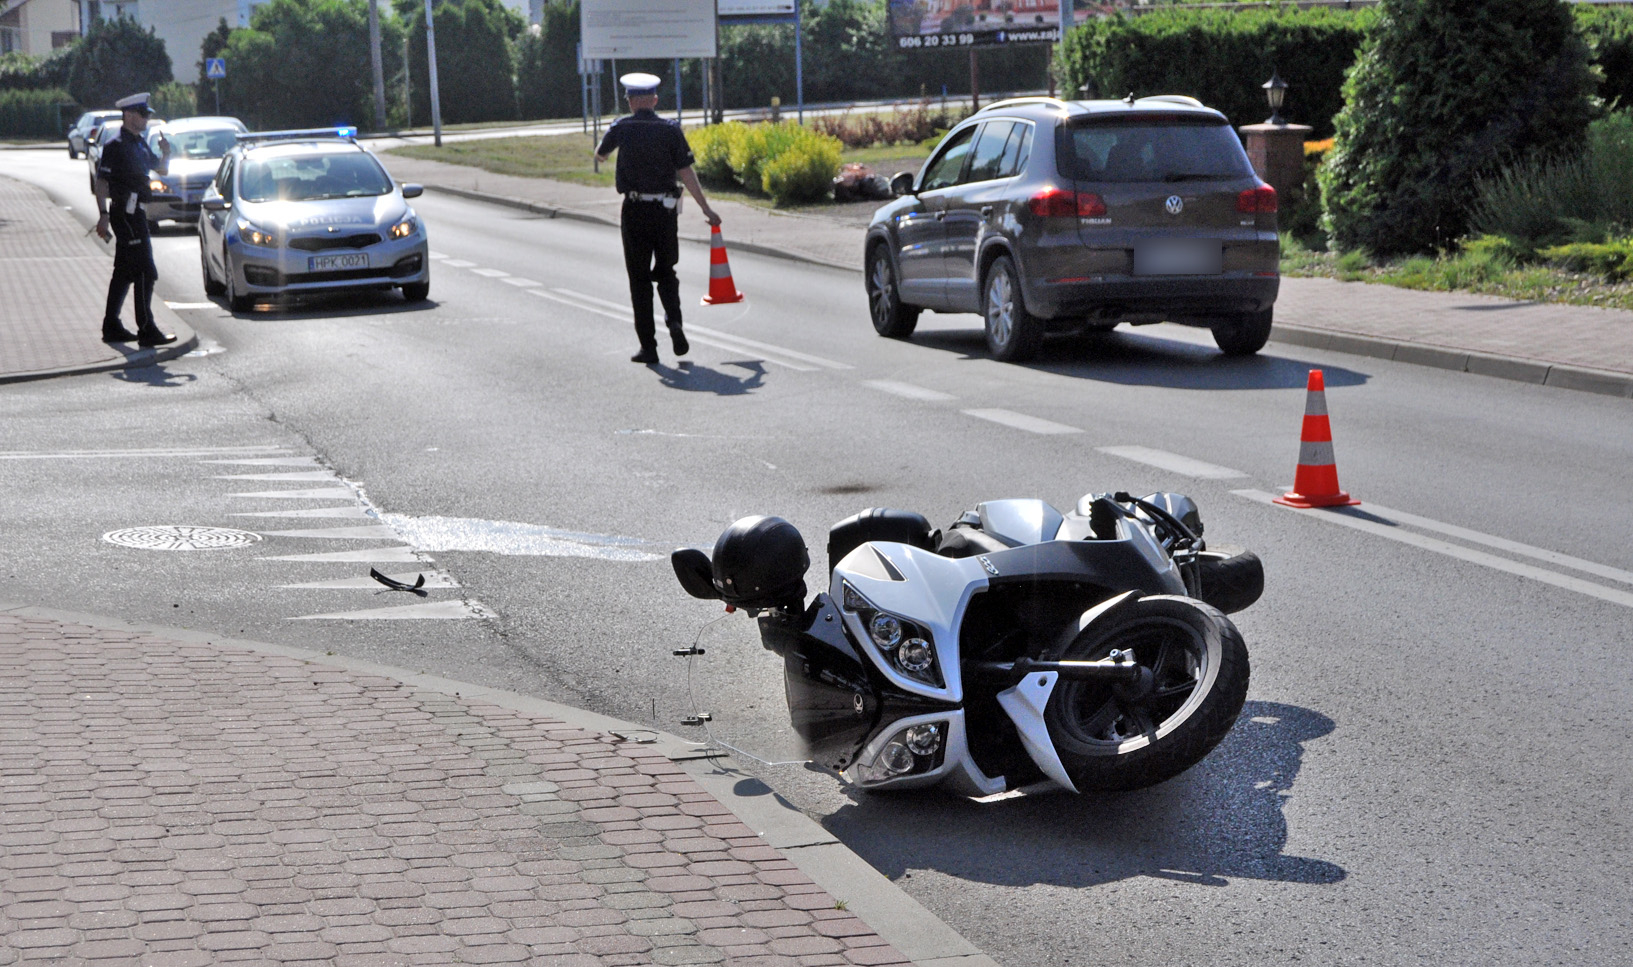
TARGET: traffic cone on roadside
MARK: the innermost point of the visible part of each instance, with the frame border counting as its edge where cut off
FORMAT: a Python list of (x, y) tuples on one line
[(721, 288), (1316, 482)]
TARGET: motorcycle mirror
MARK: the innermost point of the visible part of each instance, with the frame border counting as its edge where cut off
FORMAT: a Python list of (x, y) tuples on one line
[(695, 573)]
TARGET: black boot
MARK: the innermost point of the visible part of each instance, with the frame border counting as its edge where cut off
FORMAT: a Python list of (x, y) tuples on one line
[(154, 337), (679, 339), (117, 333)]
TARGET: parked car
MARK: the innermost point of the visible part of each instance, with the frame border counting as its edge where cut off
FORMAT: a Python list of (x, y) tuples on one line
[(197, 145), (100, 136), (1049, 215), (303, 212), (81, 131)]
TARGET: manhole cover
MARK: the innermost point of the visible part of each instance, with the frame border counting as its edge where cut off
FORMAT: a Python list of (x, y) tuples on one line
[(180, 537)]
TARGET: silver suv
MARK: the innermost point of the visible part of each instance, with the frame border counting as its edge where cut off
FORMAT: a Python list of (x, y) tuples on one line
[(1048, 215)]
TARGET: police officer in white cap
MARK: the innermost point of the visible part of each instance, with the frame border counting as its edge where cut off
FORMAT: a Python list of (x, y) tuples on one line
[(652, 153), (122, 194)]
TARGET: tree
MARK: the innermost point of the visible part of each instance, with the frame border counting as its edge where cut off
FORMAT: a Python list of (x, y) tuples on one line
[(475, 69), (547, 84), (304, 63), (214, 45), (114, 59), (1447, 92)]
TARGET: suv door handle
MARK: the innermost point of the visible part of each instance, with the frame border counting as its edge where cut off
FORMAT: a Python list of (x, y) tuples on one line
[(941, 214), (986, 211)]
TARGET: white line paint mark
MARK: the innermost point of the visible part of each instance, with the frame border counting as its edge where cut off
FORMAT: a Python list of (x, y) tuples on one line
[(436, 610), (1377, 529), (436, 255), (489, 273), (621, 317), (1173, 462), (1503, 544), (367, 532), (191, 305), (352, 512), (1021, 421), (128, 453), (519, 281), (319, 493), (908, 390), (768, 348), (270, 462), (382, 555), (585, 297), (458, 263), (510, 537), (757, 354), (292, 477), (433, 579)]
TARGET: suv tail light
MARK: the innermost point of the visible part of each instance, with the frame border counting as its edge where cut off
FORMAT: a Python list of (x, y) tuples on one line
[(1060, 203), (1260, 199)]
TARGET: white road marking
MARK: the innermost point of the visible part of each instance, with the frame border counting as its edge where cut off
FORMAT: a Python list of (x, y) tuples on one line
[(489, 273), (353, 511), (1569, 583), (524, 283), (1173, 462), (734, 348), (127, 453), (1021, 421), (908, 390), (515, 538), (433, 579), (768, 348), (382, 555), (190, 305), (624, 315), (621, 317), (270, 462), (320, 493), (366, 532), (292, 477), (436, 255), (457, 263), (585, 297), (447, 610)]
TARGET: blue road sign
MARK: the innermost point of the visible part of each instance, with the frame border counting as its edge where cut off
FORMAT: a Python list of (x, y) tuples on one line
[(215, 68)]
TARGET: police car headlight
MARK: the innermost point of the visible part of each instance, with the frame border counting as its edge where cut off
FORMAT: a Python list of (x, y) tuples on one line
[(404, 228), (255, 236), (157, 185)]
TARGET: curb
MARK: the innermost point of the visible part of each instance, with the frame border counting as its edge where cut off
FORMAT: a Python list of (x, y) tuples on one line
[(900, 920), (186, 342), (1421, 354)]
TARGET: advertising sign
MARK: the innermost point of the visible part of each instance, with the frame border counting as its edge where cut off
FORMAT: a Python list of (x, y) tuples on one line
[(757, 8), (940, 24), (658, 29)]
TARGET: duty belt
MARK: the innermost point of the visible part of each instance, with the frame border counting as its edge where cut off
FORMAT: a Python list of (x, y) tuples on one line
[(649, 196)]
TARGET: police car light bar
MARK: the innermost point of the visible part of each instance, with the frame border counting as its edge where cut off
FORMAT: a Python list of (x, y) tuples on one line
[(346, 132)]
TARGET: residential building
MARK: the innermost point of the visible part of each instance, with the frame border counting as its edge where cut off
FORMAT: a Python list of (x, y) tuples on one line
[(37, 27)]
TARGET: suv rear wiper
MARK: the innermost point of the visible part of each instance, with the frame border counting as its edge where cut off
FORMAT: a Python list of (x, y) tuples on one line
[(1191, 176)]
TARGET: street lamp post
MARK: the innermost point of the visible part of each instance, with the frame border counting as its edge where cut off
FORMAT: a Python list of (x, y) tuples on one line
[(431, 62)]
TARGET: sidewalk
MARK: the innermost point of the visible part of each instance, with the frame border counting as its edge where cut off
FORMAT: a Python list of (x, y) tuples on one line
[(53, 289), (172, 800)]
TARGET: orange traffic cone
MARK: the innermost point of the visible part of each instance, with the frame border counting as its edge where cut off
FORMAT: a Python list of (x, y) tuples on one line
[(1316, 482), (721, 287)]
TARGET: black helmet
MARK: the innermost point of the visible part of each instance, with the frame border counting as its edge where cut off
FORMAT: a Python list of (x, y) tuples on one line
[(760, 562)]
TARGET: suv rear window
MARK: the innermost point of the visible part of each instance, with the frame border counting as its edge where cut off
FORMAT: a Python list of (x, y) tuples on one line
[(1147, 148)]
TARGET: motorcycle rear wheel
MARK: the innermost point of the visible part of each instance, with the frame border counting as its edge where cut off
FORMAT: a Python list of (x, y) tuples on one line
[(1113, 737)]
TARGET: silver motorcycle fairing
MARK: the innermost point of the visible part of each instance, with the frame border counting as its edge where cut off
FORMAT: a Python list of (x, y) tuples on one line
[(1020, 521), (921, 586), (957, 769), (1024, 704)]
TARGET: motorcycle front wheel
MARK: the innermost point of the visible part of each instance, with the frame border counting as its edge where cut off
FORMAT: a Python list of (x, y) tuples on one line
[(1193, 682)]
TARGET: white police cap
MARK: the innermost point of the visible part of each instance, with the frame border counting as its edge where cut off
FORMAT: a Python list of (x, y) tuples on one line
[(638, 84), (136, 102)]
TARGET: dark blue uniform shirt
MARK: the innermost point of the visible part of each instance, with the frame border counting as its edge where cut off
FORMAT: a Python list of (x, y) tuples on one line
[(650, 151), (124, 165)]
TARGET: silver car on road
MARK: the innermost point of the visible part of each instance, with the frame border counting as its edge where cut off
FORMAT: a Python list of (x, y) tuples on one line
[(299, 213), (197, 145)]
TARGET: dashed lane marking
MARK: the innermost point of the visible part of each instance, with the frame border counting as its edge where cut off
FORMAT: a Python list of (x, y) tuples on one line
[(367, 532), (489, 273), (317, 493), (624, 315), (448, 610), (191, 305), (1383, 528), (908, 390), (457, 263), (1172, 462), (439, 256), (1021, 421), (519, 281)]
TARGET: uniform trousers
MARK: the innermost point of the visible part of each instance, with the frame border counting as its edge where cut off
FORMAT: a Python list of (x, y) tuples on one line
[(651, 249), (132, 266)]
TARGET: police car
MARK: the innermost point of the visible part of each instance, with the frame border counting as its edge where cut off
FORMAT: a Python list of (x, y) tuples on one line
[(309, 212)]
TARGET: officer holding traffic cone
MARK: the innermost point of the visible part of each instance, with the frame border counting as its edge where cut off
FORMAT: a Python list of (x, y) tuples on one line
[(652, 154)]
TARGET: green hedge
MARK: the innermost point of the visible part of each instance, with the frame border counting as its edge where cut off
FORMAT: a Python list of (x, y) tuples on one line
[(36, 114), (1221, 57), (1609, 35), (786, 161)]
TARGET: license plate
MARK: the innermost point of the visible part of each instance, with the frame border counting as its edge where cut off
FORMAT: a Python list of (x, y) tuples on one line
[(330, 263), (1179, 257)]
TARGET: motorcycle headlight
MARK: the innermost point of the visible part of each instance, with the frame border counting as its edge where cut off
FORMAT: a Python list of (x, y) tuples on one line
[(899, 640), (405, 228), (915, 750), (254, 235), (886, 630), (915, 656)]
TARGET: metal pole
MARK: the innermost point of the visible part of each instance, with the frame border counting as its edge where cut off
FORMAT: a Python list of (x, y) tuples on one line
[(218, 96), (379, 70), (408, 84), (595, 107), (583, 89), (799, 65), (431, 62), (680, 116), (975, 81)]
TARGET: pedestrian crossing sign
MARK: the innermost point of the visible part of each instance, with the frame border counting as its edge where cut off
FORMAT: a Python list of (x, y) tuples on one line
[(215, 68)]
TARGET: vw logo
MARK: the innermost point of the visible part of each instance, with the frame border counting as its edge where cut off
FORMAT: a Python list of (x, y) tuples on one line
[(1174, 204)]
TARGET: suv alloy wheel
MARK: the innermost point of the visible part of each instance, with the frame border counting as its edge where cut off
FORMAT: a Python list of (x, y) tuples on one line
[(1013, 334)]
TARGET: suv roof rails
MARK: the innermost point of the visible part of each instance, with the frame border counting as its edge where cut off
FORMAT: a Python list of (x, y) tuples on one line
[(342, 133), (1175, 99), (1017, 101)]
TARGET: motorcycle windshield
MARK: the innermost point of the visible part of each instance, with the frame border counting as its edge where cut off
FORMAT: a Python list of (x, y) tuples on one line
[(735, 690)]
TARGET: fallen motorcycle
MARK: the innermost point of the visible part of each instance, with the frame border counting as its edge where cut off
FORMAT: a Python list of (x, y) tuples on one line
[(1088, 649)]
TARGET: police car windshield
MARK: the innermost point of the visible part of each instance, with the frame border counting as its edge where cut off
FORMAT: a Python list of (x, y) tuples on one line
[(312, 177), (202, 143)]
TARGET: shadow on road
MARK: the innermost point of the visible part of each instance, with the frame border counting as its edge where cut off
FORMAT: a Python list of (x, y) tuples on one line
[(702, 379), (1135, 358), (1223, 819), (155, 375), (305, 307)]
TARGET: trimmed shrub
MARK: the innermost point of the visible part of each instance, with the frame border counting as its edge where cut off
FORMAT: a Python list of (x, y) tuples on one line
[(1612, 261), (711, 147), (35, 114), (1550, 201), (804, 172), (1608, 32), (1445, 93), (752, 145), (786, 161)]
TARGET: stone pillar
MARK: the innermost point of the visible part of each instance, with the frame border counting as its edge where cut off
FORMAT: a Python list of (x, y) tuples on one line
[(1277, 153)]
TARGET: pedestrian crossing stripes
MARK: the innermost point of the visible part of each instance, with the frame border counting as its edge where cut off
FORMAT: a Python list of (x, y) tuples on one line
[(316, 493), (375, 532), (436, 610)]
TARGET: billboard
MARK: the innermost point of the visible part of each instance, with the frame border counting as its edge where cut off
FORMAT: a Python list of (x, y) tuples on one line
[(658, 29), (757, 8), (939, 24)]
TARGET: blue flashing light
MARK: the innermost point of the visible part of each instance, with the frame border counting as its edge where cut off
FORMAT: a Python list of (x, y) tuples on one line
[(346, 131)]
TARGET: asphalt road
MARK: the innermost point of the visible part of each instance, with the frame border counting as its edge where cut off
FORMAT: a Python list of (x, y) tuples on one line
[(1433, 762)]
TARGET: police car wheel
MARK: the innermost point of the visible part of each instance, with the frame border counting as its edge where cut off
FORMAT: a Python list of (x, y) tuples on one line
[(417, 291), (236, 302), (211, 286), (72, 153)]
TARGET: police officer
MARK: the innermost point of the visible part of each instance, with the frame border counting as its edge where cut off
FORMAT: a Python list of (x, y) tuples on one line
[(652, 153), (122, 194)]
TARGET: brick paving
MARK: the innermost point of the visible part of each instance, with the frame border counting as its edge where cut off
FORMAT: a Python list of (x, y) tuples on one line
[(165, 804)]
